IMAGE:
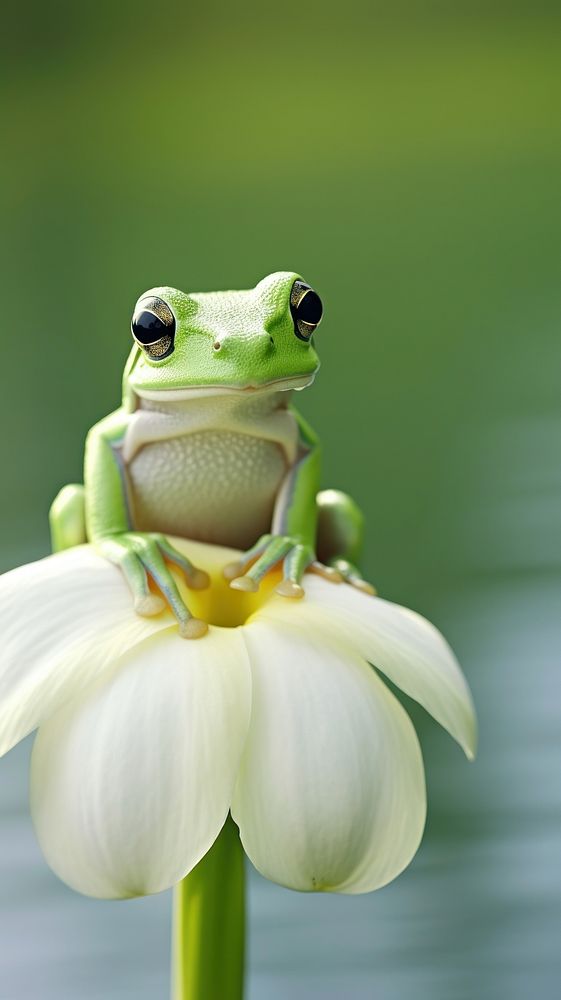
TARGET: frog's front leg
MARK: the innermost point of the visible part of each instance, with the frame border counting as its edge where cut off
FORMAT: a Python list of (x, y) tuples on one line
[(308, 526), (294, 527), (141, 556)]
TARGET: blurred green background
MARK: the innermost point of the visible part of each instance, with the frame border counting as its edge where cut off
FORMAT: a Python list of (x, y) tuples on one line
[(405, 158)]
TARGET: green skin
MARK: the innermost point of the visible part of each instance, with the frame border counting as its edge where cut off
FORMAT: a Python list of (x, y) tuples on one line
[(230, 346)]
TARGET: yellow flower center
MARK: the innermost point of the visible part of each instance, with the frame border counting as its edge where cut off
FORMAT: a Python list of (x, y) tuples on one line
[(219, 604)]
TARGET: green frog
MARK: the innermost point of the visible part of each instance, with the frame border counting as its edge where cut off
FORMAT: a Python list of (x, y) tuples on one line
[(208, 445)]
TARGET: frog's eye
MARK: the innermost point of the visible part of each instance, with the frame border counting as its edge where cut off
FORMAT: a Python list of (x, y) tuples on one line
[(153, 327), (306, 309)]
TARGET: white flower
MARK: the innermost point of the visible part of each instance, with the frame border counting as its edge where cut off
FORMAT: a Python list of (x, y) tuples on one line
[(147, 740)]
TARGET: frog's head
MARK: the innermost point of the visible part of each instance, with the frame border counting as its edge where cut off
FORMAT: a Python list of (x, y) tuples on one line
[(216, 342)]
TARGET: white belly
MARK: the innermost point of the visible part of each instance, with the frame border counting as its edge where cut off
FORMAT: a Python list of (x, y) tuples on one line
[(213, 486)]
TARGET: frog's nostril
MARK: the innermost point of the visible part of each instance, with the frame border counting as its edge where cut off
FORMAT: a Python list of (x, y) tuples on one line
[(217, 345)]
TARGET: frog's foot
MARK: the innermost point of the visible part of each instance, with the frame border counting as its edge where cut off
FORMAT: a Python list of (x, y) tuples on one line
[(350, 574), (247, 573), (327, 572), (142, 557)]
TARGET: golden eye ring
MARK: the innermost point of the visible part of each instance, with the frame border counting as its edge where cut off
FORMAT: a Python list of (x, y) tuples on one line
[(306, 309), (153, 327)]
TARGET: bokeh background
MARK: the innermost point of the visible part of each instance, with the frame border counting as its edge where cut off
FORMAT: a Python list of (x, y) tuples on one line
[(405, 158)]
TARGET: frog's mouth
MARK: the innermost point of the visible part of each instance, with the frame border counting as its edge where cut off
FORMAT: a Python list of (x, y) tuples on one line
[(191, 392)]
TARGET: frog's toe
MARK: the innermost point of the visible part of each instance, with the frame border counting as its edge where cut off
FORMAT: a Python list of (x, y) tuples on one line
[(351, 575), (199, 580), (245, 583), (363, 585), (196, 578), (193, 628), (295, 564), (327, 572), (232, 570), (291, 589), (148, 605), (239, 567)]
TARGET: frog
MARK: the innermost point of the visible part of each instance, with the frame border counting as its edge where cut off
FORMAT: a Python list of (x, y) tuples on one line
[(207, 445)]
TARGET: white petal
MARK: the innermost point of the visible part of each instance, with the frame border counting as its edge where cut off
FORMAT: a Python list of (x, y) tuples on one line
[(397, 641), (62, 621), (331, 792), (131, 785)]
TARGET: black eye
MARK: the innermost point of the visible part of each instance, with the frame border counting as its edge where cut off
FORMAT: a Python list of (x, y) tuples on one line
[(153, 327), (306, 309)]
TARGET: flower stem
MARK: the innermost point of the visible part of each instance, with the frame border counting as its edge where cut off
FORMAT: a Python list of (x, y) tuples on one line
[(209, 924)]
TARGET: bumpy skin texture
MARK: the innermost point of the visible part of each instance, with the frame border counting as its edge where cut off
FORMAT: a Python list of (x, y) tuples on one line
[(255, 331), (207, 445)]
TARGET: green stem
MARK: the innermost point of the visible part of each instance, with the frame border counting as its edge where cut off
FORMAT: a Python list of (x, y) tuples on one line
[(209, 924)]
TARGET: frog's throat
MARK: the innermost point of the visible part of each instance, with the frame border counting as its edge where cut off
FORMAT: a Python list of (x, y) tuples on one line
[(192, 392)]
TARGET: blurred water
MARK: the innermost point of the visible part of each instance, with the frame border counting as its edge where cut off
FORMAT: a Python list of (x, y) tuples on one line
[(477, 914)]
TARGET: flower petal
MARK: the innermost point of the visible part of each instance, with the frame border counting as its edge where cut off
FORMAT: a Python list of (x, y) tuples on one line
[(131, 785), (63, 619), (331, 792), (397, 641)]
